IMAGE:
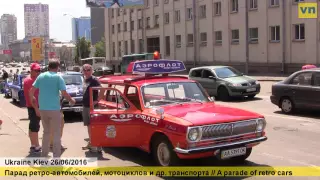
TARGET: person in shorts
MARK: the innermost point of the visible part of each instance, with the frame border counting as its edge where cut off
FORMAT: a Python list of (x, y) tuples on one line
[(34, 124), (89, 81)]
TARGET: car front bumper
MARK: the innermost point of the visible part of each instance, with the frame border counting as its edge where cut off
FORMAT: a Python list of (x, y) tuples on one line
[(274, 100), (219, 146), (72, 109), (244, 90)]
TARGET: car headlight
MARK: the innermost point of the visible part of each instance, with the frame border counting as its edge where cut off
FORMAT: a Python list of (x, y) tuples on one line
[(194, 134), (234, 84), (261, 125)]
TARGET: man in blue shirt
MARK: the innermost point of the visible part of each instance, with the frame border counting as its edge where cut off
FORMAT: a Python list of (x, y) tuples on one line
[(50, 84)]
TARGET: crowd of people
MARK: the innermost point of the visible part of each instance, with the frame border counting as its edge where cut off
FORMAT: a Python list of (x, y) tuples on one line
[(42, 92)]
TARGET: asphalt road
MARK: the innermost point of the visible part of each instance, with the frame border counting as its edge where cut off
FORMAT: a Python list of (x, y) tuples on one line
[(293, 139)]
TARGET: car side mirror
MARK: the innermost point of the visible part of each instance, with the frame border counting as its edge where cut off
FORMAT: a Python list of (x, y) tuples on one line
[(212, 77), (212, 99)]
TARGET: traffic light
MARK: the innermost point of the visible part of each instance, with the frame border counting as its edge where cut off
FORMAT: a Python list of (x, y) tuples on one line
[(156, 55)]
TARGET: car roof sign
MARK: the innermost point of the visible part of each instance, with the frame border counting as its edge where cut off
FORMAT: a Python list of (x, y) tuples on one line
[(162, 66)]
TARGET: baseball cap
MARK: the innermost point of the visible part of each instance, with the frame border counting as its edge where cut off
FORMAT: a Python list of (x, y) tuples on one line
[(35, 66)]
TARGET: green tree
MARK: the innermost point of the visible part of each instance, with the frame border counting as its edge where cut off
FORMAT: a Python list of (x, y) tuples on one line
[(85, 51), (100, 49)]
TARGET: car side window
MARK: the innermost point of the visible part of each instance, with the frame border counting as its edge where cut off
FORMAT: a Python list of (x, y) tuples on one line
[(206, 73), (302, 79), (196, 73), (316, 79)]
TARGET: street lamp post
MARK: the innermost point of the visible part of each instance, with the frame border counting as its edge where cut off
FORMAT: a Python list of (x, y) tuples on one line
[(77, 31)]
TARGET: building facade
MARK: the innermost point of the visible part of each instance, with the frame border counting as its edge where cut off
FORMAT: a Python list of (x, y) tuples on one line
[(8, 29), (81, 27), (21, 50), (253, 36), (97, 24), (36, 20)]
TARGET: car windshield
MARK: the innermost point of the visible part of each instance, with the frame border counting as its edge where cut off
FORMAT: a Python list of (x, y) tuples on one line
[(73, 79), (171, 93), (227, 72)]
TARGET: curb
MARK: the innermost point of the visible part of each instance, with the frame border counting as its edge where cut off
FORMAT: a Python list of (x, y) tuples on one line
[(270, 80)]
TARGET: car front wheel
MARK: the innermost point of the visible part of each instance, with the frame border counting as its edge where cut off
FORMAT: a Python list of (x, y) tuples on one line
[(223, 94), (286, 105), (163, 152)]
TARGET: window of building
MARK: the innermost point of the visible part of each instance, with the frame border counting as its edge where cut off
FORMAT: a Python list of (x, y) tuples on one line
[(148, 22), (147, 3), (156, 2), (234, 5), (253, 35), (217, 8), (119, 49), (299, 32), (190, 39), (113, 49), (167, 45), (166, 1), (203, 11), (189, 13), (112, 29), (141, 45), (140, 25), (218, 37), (177, 16), (235, 36), (275, 33), (166, 18), (126, 47), (178, 41), (203, 38), (274, 3), (118, 12), (125, 26), (132, 47), (253, 4), (119, 27), (156, 21), (132, 25)]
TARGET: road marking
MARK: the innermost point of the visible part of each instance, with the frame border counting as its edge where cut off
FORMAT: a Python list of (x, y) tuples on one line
[(288, 159)]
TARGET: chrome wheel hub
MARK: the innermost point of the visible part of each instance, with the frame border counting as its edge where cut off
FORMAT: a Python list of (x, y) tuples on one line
[(163, 154)]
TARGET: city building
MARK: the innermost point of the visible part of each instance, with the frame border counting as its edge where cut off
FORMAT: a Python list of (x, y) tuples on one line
[(8, 29), (252, 36), (36, 20), (65, 51), (97, 24), (21, 50), (81, 27)]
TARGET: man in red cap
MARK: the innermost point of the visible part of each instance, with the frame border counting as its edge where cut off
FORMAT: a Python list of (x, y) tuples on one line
[(34, 124)]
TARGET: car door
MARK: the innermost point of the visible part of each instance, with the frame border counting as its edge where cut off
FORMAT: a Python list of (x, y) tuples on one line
[(316, 90), (115, 121), (15, 87), (300, 90), (208, 81)]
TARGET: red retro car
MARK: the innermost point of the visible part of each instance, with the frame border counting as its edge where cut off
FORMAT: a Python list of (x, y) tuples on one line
[(171, 117)]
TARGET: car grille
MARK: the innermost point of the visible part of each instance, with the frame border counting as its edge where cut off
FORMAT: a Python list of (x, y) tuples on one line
[(248, 84), (220, 131)]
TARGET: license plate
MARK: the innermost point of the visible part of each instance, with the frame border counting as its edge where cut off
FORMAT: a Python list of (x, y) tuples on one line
[(233, 152), (251, 89), (77, 109)]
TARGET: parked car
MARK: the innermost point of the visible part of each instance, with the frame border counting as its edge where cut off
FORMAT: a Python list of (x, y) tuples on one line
[(301, 90), (16, 88), (225, 82), (102, 71), (6, 88), (74, 84)]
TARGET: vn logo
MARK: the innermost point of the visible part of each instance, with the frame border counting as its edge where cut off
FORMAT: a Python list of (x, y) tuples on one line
[(308, 10)]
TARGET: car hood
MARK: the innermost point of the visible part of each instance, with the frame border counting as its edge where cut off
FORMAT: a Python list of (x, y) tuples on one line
[(74, 90), (208, 113), (240, 79)]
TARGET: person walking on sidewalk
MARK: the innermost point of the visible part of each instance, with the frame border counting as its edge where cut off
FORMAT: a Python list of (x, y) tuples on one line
[(34, 124), (50, 84), (89, 81)]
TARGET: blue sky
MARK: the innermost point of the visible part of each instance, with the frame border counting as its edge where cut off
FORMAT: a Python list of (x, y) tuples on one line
[(60, 26)]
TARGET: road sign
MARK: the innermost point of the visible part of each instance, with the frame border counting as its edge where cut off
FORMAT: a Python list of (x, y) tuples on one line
[(7, 51), (36, 44)]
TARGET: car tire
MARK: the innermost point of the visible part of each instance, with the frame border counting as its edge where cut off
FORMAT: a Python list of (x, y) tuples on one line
[(243, 158), (251, 96), (223, 94), (163, 147), (286, 105)]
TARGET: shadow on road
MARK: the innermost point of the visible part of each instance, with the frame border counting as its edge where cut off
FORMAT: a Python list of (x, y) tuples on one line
[(17, 105), (144, 159), (302, 114), (71, 117), (241, 99)]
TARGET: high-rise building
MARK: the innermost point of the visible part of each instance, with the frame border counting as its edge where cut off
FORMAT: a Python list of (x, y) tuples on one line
[(97, 24), (8, 29), (36, 20), (81, 27)]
